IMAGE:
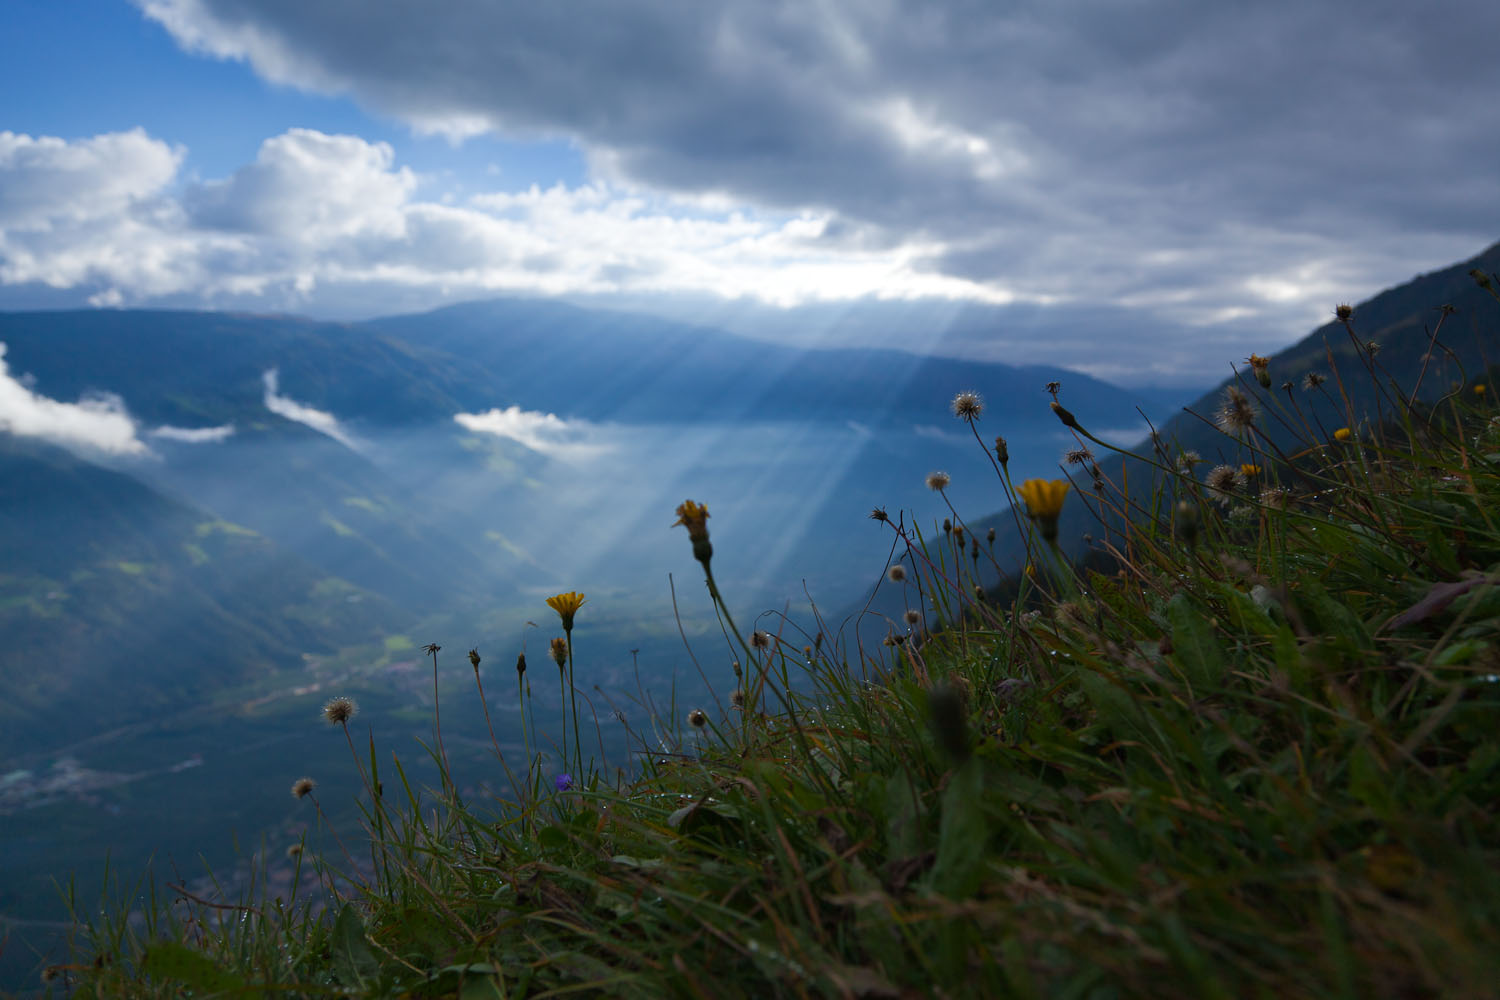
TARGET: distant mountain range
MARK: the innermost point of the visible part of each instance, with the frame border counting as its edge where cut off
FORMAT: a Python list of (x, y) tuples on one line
[(333, 502), (1400, 321)]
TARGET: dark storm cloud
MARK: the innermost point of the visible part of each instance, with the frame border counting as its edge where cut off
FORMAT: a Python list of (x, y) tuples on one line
[(1094, 149)]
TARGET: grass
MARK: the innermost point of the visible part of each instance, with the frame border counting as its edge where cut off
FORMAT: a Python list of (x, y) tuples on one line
[(1251, 750)]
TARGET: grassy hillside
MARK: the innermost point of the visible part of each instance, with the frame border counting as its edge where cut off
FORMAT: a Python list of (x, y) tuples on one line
[(1252, 753)]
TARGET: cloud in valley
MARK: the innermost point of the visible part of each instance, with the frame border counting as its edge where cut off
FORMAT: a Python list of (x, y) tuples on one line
[(318, 420), (193, 435), (98, 423), (546, 433)]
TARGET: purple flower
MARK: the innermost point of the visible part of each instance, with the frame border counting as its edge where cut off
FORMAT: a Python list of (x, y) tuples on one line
[(562, 782)]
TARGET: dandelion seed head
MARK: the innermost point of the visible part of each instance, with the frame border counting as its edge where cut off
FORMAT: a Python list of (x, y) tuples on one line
[(968, 406), (1236, 414), (938, 481), (697, 718), (339, 710), (896, 573), (302, 788)]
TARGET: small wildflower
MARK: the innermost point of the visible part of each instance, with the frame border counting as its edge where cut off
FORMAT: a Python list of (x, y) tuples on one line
[(694, 517), (293, 852), (1287, 386), (938, 481), (1249, 471), (1002, 450), (737, 699), (697, 718), (563, 782), (760, 640), (1373, 347), (1343, 434), (1044, 501), (302, 788), (735, 666), (1077, 456), (558, 648), (1344, 312), (879, 514), (807, 651), (889, 640), (1236, 414), (1481, 389), (1186, 461), (566, 606), (913, 617), (340, 710), (1261, 366), (967, 406), (1312, 380), (978, 593), (896, 573)]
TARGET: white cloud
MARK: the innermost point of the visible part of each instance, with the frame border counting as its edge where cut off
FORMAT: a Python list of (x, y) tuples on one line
[(193, 435), (98, 423), (546, 433), (318, 420)]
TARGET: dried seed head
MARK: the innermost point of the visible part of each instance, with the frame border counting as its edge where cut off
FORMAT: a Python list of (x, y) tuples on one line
[(1077, 456), (1236, 414), (913, 617), (967, 406), (558, 648), (938, 481), (1312, 380), (896, 573), (1223, 480), (879, 514), (737, 699), (697, 718), (1344, 312), (1002, 450), (302, 788), (474, 659), (339, 710), (760, 640)]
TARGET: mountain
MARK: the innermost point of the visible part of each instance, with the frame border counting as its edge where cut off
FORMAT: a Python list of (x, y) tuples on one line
[(632, 368), (1401, 321), (118, 603)]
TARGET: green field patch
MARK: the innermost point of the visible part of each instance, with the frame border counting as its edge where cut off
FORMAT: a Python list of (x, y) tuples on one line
[(206, 528), (339, 527), (366, 504)]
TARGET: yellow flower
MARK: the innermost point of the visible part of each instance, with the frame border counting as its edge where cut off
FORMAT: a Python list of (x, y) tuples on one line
[(1262, 368), (1481, 389), (1249, 471), (1343, 434), (566, 606), (694, 517), (1044, 501)]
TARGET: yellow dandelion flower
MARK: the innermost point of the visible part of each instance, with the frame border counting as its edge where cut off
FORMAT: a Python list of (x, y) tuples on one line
[(1343, 434), (1481, 389), (1249, 471), (566, 606), (1044, 501)]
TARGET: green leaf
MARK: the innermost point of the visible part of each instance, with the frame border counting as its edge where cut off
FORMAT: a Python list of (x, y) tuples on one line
[(353, 962), (1193, 642), (178, 962), (963, 835)]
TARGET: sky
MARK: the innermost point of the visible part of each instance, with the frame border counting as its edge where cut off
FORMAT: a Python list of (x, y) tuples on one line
[(1144, 190)]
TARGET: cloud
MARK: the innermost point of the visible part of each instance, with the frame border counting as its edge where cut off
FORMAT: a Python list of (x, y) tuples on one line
[(1196, 161), (193, 435), (318, 420), (97, 423), (546, 433)]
